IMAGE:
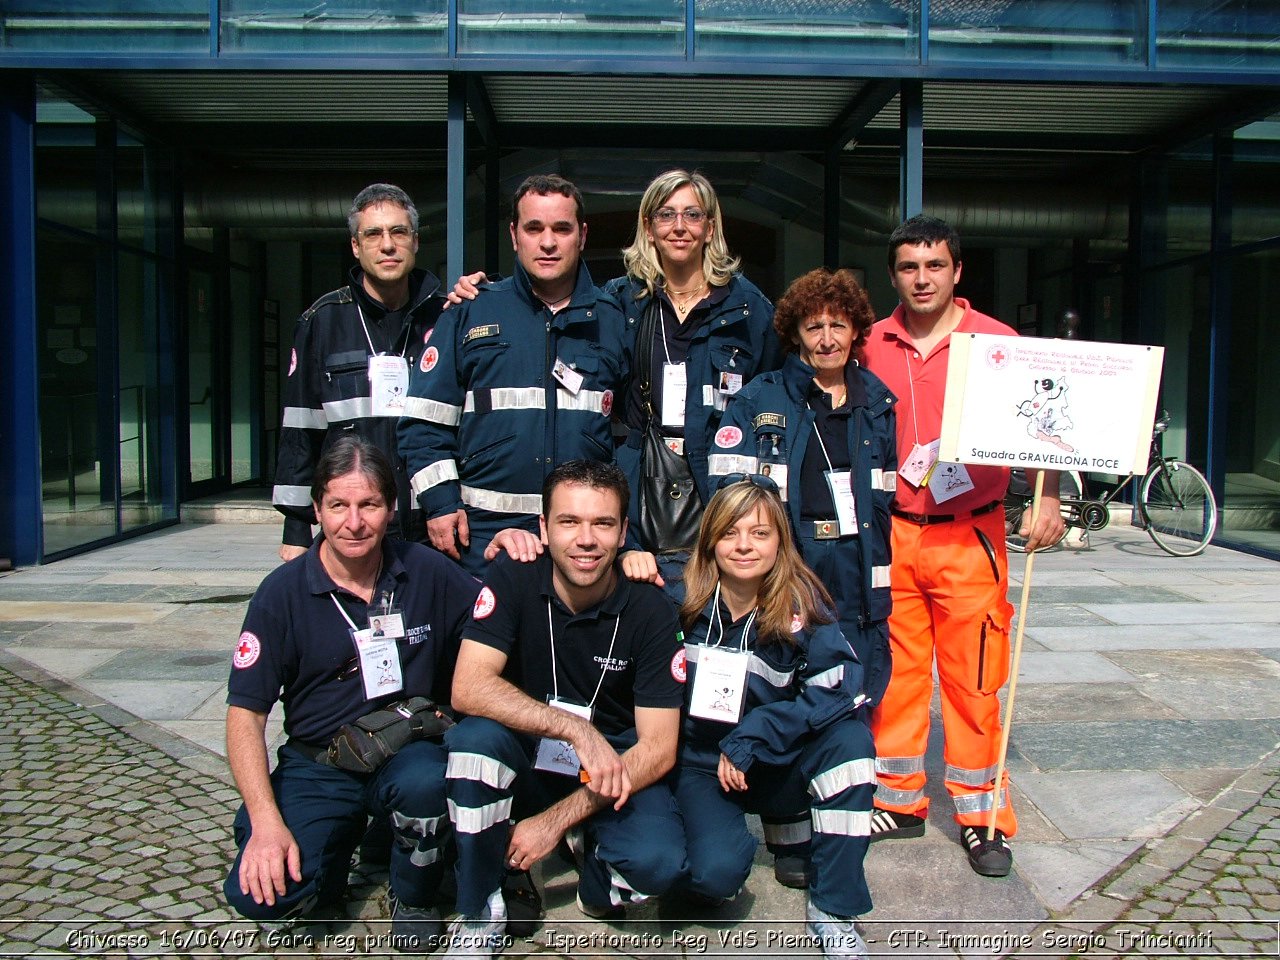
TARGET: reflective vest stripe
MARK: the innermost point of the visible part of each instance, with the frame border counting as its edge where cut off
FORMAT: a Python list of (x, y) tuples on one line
[(506, 398), (900, 765), (970, 778), (898, 798), (354, 409), (422, 408), (592, 401), (304, 418), (722, 464), (499, 502)]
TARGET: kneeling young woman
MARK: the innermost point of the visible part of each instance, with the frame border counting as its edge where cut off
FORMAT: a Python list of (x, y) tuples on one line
[(772, 699)]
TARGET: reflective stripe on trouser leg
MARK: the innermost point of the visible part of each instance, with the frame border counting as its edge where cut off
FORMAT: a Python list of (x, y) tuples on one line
[(485, 760), (633, 853), (841, 777), (787, 837), (972, 656), (900, 723), (409, 790)]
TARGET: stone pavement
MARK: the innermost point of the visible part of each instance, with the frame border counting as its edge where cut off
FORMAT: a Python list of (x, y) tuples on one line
[(1143, 747)]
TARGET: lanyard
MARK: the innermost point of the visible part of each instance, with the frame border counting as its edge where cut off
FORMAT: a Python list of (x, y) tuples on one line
[(662, 327), (911, 386), (608, 658), (387, 601), (369, 339), (818, 433), (717, 619)]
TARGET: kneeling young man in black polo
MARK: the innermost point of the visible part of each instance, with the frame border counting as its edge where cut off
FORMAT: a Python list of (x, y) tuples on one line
[(564, 664)]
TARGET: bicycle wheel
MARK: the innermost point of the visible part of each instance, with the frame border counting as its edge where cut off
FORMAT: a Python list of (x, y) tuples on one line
[(1014, 507), (1178, 507)]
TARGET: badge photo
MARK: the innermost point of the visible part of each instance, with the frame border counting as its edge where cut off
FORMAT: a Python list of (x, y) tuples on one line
[(247, 650)]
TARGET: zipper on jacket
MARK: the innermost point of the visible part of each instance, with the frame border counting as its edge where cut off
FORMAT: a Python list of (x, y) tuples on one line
[(982, 653)]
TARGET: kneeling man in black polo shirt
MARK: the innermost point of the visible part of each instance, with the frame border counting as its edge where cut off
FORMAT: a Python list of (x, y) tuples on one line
[(566, 672), (309, 639)]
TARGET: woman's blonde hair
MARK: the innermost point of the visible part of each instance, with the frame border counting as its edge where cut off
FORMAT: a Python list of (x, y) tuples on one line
[(788, 589), (641, 258)]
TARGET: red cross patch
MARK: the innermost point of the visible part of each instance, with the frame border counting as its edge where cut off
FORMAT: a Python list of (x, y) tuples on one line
[(728, 437), (678, 666), (997, 356), (486, 603), (247, 651), (606, 403), (293, 361), (430, 357)]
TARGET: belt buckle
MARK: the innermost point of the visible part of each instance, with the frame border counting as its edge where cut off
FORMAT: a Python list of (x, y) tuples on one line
[(826, 530)]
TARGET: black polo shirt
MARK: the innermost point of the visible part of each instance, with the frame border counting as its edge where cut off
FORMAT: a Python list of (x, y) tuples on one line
[(296, 647), (833, 427), (511, 616)]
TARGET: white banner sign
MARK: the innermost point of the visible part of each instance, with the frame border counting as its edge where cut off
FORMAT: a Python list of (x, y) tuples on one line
[(1054, 404)]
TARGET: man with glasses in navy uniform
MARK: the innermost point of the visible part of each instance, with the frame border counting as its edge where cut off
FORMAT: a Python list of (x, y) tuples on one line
[(352, 353)]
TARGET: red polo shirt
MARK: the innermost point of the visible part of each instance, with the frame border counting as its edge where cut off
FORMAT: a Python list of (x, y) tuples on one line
[(920, 384)]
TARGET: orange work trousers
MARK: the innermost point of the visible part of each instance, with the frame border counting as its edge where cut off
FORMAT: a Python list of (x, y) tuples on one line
[(950, 585)]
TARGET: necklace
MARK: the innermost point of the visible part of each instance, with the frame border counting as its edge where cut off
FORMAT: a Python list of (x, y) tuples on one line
[(553, 304), (683, 298)]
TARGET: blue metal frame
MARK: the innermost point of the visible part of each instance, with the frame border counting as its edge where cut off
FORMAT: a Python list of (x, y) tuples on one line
[(456, 179), (21, 535), (911, 159), (1219, 313)]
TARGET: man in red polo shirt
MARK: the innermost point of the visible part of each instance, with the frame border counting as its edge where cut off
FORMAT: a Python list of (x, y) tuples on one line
[(950, 575)]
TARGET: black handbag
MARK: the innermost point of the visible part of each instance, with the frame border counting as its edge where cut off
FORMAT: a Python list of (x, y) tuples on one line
[(670, 506)]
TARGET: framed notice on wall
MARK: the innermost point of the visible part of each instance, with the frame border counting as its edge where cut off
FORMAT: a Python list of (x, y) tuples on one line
[(1053, 404)]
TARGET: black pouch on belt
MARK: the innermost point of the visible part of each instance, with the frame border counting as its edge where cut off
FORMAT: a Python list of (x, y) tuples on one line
[(372, 740)]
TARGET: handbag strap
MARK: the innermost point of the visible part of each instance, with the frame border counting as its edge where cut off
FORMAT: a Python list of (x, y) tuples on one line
[(649, 321)]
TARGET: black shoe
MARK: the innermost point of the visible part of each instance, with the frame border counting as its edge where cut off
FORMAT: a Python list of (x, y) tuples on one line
[(414, 929), (888, 825), (991, 858), (524, 903), (607, 914), (375, 847), (792, 872)]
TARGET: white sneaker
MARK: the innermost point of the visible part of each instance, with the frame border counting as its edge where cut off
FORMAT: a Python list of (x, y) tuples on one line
[(478, 938), (837, 936)]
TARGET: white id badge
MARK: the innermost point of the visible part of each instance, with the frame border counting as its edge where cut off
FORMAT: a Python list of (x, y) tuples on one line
[(777, 472), (730, 383), (720, 684), (674, 387), (569, 378), (949, 480), (558, 756), (919, 461), (389, 625), (379, 664), (840, 482), (388, 385)]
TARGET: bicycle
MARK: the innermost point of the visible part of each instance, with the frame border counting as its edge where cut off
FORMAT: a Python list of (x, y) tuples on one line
[(1175, 503)]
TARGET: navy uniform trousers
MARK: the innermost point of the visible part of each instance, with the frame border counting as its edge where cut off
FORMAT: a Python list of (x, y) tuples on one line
[(629, 854), (834, 777), (326, 811)]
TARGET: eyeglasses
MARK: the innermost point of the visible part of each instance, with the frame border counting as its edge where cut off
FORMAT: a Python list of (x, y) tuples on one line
[(755, 479), (400, 235), (667, 216), (348, 670)]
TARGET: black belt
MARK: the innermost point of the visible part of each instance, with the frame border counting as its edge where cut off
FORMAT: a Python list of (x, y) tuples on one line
[(924, 519), (307, 750)]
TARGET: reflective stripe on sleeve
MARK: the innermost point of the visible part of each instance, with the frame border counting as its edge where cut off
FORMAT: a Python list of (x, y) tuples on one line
[(844, 823), (499, 502), (777, 678), (508, 398), (304, 418), (291, 496), (831, 677), (853, 773), (423, 408), (880, 576), (886, 480), (476, 766), (479, 819), (722, 464), (433, 474)]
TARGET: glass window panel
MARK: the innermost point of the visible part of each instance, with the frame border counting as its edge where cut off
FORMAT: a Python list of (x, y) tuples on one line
[(105, 26), (858, 29), (1226, 33), (1251, 506), (66, 185), (1177, 300), (557, 27), (401, 26), (201, 376), (1255, 208), (246, 364), (140, 440), (76, 507), (1180, 204), (1085, 31)]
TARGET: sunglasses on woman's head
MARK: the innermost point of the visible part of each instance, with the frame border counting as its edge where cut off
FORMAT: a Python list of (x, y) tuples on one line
[(755, 479)]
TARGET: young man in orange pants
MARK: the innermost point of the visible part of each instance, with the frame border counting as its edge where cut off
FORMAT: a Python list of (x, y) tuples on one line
[(950, 574)]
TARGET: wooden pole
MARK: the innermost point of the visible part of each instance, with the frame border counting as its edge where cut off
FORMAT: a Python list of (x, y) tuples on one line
[(1017, 659)]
